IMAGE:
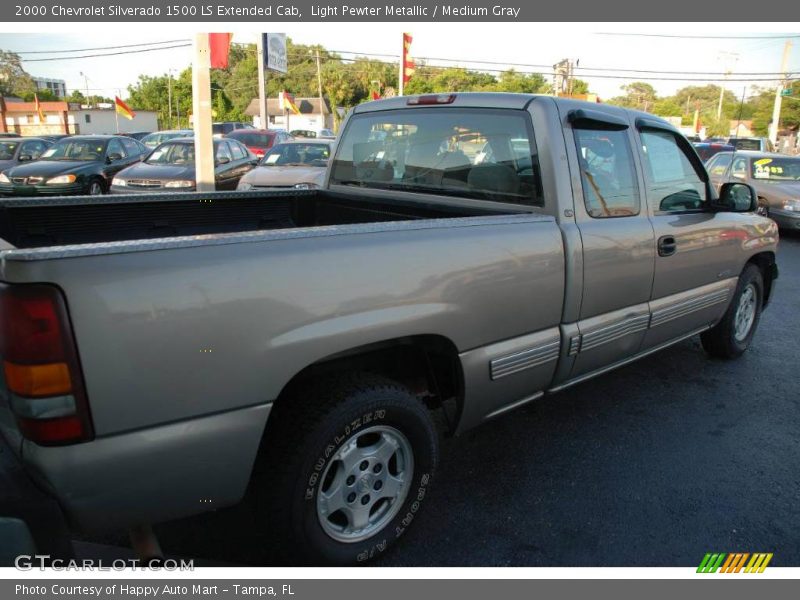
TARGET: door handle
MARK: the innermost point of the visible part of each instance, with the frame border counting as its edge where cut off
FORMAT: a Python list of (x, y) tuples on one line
[(667, 245)]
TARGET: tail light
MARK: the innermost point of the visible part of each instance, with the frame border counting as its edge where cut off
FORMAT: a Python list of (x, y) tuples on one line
[(40, 365), (429, 99)]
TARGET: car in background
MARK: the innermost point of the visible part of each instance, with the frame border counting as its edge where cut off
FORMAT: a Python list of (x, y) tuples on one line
[(258, 141), (170, 168), (225, 127), (313, 133), (694, 138), (757, 144), (14, 151), (152, 140), (79, 164), (298, 164), (708, 149), (137, 135), (54, 137), (775, 177)]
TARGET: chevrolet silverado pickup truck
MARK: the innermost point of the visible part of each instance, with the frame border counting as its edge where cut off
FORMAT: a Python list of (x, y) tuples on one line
[(467, 254)]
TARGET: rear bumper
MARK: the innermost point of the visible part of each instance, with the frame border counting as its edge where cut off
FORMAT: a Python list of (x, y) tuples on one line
[(153, 474)]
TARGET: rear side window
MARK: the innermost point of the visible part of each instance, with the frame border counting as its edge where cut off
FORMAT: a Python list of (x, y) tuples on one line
[(237, 151), (719, 164), (467, 152), (672, 182), (607, 173)]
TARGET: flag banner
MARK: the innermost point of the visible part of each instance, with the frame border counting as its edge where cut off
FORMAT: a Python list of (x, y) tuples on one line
[(123, 109), (220, 46), (38, 107), (286, 102), (408, 62)]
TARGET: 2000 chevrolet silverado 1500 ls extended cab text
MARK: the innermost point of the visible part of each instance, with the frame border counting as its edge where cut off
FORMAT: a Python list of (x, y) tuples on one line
[(467, 254)]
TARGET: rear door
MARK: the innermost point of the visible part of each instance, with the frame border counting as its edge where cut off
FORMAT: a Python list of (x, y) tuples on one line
[(617, 238), (693, 279)]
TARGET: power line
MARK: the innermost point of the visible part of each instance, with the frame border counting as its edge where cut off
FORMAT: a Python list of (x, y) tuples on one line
[(102, 47), (107, 54)]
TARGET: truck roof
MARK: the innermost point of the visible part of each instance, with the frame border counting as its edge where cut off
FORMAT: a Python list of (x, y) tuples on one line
[(504, 100)]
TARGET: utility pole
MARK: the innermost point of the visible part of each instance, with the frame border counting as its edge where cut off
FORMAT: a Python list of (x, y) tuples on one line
[(86, 85), (319, 85), (727, 57), (169, 97), (262, 83), (201, 111), (776, 110)]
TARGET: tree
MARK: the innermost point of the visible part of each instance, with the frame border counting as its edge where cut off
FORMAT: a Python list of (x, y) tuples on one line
[(14, 81), (638, 95), (513, 81)]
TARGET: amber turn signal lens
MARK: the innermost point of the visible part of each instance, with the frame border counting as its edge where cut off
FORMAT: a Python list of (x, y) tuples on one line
[(34, 381)]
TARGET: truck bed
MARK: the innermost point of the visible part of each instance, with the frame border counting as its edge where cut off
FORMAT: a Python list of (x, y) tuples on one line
[(37, 223)]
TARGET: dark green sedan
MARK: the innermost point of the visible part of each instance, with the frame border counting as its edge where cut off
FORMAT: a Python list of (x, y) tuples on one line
[(81, 164)]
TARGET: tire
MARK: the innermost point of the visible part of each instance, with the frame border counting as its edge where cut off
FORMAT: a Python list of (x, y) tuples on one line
[(95, 188), (733, 334), (362, 434)]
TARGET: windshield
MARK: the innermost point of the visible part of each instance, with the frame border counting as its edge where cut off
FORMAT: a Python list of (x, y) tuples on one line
[(7, 150), (72, 149), (172, 153), (478, 153), (776, 169), (297, 155), (256, 140)]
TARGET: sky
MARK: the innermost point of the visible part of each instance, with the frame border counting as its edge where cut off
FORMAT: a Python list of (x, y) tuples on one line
[(507, 43)]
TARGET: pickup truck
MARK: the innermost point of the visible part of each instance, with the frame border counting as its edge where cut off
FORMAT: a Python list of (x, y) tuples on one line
[(467, 254)]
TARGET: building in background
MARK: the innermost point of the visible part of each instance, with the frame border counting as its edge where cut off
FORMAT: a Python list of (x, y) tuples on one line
[(310, 117), (57, 86), (69, 117)]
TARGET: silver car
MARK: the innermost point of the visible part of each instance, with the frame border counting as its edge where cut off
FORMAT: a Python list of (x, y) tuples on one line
[(297, 164), (776, 178)]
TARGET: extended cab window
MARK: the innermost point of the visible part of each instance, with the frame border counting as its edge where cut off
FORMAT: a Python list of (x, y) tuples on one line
[(474, 153), (607, 173), (672, 182)]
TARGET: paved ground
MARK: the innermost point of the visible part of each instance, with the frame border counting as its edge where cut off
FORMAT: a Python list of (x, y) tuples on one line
[(652, 465)]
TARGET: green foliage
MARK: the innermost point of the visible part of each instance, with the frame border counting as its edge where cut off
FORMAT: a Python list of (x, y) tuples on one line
[(14, 81)]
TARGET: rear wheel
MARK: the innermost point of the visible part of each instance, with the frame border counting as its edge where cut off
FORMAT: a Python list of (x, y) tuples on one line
[(733, 334), (346, 466)]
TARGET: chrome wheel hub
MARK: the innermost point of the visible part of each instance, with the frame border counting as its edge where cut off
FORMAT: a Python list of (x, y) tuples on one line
[(365, 483), (745, 313)]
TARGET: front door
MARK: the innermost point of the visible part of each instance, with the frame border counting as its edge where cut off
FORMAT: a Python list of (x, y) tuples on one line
[(693, 280)]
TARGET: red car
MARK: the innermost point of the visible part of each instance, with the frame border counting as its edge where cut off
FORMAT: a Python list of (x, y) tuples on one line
[(258, 141)]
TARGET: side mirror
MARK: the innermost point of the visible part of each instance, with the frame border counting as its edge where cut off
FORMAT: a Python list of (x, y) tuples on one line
[(223, 160), (25, 157), (114, 157), (737, 197)]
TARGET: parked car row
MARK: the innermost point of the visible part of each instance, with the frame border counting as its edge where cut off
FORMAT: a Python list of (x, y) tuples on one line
[(775, 177)]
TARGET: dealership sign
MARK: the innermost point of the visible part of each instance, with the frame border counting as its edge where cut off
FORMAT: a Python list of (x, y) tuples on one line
[(274, 45)]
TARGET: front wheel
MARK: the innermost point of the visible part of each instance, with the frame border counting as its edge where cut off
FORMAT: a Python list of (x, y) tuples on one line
[(96, 188), (733, 334), (347, 468)]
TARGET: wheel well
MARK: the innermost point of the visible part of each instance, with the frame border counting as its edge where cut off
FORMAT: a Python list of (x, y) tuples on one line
[(766, 264), (428, 365)]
